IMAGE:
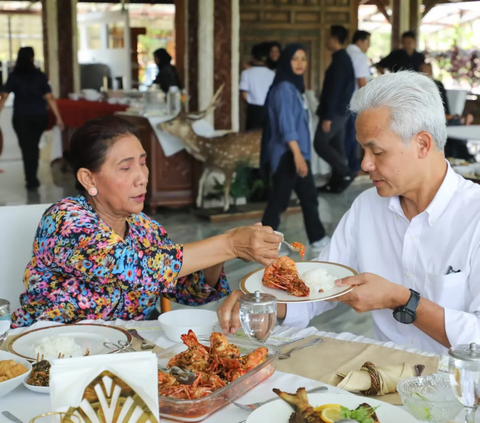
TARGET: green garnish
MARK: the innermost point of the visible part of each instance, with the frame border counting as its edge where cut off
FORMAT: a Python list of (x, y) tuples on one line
[(361, 415)]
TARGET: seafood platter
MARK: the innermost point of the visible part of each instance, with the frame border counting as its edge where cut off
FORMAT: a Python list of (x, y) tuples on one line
[(211, 372)]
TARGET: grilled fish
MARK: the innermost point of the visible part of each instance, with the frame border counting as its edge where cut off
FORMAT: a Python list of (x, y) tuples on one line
[(304, 412)]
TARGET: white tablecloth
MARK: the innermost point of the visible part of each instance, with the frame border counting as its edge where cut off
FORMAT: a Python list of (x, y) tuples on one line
[(16, 401)]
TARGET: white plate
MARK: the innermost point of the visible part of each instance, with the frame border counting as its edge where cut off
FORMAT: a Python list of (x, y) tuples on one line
[(253, 282), (88, 336), (38, 389), (279, 411)]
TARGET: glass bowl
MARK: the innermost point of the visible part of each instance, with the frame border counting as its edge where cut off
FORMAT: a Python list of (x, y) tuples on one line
[(430, 398)]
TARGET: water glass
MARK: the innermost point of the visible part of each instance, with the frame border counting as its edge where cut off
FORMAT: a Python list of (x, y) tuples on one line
[(258, 315)]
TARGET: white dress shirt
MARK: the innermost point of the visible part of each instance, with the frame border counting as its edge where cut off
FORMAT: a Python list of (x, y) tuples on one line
[(256, 82), (375, 236), (361, 64)]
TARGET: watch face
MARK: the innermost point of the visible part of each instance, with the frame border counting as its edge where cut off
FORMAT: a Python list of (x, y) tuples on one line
[(404, 316)]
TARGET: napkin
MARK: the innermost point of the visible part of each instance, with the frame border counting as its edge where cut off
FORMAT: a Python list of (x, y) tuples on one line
[(333, 356), (113, 385), (385, 378)]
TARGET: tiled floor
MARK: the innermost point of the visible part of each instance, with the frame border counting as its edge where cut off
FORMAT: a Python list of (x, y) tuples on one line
[(332, 207)]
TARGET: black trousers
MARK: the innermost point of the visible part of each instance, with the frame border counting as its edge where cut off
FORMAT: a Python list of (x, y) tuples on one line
[(330, 146), (285, 180), (254, 117), (29, 129)]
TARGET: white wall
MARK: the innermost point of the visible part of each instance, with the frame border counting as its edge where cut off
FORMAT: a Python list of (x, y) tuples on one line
[(118, 60)]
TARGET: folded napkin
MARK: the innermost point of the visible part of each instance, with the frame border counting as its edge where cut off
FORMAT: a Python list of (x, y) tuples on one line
[(372, 380), (334, 356), (113, 386)]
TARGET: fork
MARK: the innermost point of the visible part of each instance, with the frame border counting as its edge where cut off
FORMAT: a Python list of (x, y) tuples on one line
[(146, 345), (315, 341), (254, 406)]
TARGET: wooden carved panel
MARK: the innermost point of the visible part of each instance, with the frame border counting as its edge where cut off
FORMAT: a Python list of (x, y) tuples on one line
[(291, 21), (223, 62)]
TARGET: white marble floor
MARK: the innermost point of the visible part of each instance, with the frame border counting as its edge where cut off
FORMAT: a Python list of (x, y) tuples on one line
[(332, 208)]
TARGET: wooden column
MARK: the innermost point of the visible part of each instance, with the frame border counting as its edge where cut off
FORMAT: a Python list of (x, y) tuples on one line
[(414, 16), (396, 24), (181, 39), (223, 62), (192, 54), (60, 45)]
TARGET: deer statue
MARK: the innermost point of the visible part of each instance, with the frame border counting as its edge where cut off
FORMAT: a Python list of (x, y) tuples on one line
[(221, 153)]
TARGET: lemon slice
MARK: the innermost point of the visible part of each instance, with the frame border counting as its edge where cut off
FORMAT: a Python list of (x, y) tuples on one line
[(320, 408), (331, 414)]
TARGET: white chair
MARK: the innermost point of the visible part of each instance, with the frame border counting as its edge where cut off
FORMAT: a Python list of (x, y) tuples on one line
[(18, 225)]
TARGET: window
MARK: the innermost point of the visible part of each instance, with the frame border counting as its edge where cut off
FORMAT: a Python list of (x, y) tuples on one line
[(115, 33), (94, 41)]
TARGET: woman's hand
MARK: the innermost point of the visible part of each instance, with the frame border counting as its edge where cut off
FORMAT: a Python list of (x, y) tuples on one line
[(326, 126), (255, 243), (301, 165), (60, 124)]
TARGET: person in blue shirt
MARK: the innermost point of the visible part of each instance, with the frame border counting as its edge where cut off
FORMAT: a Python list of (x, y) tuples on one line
[(30, 115), (286, 148)]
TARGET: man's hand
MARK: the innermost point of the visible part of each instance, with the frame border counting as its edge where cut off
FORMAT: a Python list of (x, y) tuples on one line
[(372, 292), (301, 165), (326, 126), (229, 313)]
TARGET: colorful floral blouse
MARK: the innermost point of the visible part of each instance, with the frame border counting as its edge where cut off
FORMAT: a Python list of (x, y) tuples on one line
[(81, 269)]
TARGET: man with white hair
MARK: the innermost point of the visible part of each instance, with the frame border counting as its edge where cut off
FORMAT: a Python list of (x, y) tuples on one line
[(415, 237)]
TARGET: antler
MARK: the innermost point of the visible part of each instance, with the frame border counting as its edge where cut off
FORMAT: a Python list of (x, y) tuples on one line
[(214, 102)]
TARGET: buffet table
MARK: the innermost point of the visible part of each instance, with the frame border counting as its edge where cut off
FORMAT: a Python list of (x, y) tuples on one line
[(16, 400)]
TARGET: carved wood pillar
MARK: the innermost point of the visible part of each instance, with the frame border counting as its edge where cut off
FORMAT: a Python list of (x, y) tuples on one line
[(60, 45)]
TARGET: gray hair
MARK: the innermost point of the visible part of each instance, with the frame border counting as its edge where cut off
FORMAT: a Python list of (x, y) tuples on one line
[(414, 102)]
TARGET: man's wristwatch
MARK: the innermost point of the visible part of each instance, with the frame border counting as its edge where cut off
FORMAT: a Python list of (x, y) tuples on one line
[(408, 313)]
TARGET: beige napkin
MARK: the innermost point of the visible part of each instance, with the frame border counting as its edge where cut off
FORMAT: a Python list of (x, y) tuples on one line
[(333, 356), (360, 380)]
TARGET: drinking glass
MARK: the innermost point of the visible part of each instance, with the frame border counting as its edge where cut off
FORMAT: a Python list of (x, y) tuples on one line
[(258, 315), (464, 367)]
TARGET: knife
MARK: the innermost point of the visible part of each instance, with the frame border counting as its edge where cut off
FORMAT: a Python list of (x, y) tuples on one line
[(11, 417)]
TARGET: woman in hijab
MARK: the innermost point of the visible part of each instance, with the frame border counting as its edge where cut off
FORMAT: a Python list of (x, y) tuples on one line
[(286, 147), (274, 54), (167, 73)]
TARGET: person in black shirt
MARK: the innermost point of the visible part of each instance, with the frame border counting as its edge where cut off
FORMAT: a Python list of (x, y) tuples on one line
[(337, 91), (30, 116), (167, 73), (405, 58)]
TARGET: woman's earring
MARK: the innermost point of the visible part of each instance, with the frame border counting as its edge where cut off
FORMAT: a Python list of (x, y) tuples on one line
[(93, 192)]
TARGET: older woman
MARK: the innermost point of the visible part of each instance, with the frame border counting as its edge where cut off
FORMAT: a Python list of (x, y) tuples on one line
[(97, 256)]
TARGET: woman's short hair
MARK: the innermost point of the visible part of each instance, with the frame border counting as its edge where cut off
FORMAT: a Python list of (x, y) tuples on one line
[(90, 143), (414, 103)]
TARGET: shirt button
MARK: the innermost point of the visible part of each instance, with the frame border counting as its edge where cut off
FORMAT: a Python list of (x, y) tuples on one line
[(412, 237), (409, 275)]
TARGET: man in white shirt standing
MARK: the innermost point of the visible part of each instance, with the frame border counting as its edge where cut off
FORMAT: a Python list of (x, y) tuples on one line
[(361, 67), (254, 84), (415, 237)]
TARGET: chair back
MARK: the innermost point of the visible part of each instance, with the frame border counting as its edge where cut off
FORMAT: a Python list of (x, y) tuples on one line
[(18, 225)]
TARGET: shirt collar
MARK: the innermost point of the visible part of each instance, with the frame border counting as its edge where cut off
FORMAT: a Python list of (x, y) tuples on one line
[(440, 201)]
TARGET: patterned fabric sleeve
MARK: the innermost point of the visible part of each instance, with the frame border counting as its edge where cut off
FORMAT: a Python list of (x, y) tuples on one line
[(192, 290)]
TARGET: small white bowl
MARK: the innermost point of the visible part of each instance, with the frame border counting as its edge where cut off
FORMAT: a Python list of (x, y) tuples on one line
[(74, 96), (178, 322), (38, 389), (11, 384)]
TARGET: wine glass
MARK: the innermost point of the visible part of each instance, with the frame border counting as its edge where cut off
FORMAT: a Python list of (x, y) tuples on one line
[(464, 367), (258, 315)]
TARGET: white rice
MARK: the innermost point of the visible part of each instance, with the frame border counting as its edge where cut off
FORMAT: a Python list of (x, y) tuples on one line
[(319, 279), (52, 346)]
